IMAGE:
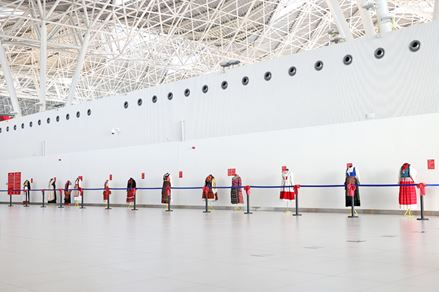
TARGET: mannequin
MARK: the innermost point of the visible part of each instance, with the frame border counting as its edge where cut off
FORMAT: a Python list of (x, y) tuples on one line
[(166, 188), (27, 189), (51, 197), (209, 190), (407, 193), (131, 190), (352, 178), (67, 192), (78, 192), (287, 189), (107, 191), (236, 190)]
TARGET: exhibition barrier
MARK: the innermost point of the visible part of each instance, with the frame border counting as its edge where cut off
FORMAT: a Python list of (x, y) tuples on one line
[(247, 189)]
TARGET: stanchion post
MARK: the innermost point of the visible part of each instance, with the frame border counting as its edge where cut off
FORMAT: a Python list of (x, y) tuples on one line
[(108, 202), (27, 194), (422, 218), (206, 209), (60, 199), (247, 193), (135, 203), (296, 189), (10, 200), (168, 190), (81, 192), (42, 205)]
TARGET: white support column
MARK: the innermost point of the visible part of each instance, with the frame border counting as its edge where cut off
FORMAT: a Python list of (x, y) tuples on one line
[(43, 64), (9, 81), (78, 68), (366, 19), (340, 20), (436, 10), (384, 16)]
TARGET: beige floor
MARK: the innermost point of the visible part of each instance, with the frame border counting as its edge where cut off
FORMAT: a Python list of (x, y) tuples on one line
[(53, 249)]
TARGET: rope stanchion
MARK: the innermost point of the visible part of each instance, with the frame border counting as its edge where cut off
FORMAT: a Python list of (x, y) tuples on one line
[(10, 200), (108, 203), (81, 193), (247, 192), (42, 202), (27, 198), (296, 191), (60, 199), (421, 187)]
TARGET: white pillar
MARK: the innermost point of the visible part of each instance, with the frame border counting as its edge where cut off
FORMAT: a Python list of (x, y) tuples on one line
[(366, 19), (78, 68), (43, 64), (340, 20), (436, 10), (9, 81), (384, 16)]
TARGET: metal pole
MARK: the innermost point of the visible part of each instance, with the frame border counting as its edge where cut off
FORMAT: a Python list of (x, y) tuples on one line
[(82, 200), (135, 203), (43, 206), (297, 205), (108, 203), (169, 202), (10, 200), (422, 210), (60, 199), (26, 198), (206, 210), (248, 205)]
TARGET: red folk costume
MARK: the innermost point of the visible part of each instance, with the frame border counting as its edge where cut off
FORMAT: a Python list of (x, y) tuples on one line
[(107, 191), (78, 192), (236, 191), (166, 188), (131, 190), (407, 190), (209, 189), (67, 192), (287, 189)]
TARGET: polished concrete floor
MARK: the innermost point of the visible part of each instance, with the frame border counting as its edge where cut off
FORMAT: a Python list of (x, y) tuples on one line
[(53, 249)]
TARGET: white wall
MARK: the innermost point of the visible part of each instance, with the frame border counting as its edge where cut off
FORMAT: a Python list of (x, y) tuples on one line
[(313, 122)]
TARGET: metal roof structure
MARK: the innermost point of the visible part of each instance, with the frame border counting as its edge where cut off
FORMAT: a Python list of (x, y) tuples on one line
[(54, 52)]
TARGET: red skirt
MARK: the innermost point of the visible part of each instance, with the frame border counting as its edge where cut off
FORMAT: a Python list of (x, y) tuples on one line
[(287, 195), (106, 193), (130, 195), (407, 194)]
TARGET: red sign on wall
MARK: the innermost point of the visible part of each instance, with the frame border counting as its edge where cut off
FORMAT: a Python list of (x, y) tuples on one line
[(284, 167), (231, 171), (180, 174), (430, 164), (14, 183), (349, 164), (110, 177), (143, 175)]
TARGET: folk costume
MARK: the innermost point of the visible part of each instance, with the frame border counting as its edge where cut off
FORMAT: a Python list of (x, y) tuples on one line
[(131, 190), (351, 186), (51, 197), (27, 189), (407, 192), (209, 189), (236, 191), (107, 191), (287, 189), (166, 188), (78, 191), (67, 193)]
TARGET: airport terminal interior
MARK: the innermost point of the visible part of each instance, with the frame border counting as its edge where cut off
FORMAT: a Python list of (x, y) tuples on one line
[(219, 145)]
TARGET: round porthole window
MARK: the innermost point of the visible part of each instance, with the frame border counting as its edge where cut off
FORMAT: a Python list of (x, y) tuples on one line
[(0, 130), (379, 53), (67, 116), (187, 92), (170, 96), (224, 85), (15, 127), (292, 71), (267, 76), (347, 60), (78, 114), (245, 80), (57, 118), (415, 45), (48, 120), (31, 124), (318, 65), (205, 89), (139, 102), (125, 104), (22, 125), (7, 129), (89, 112), (39, 122), (154, 99)]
